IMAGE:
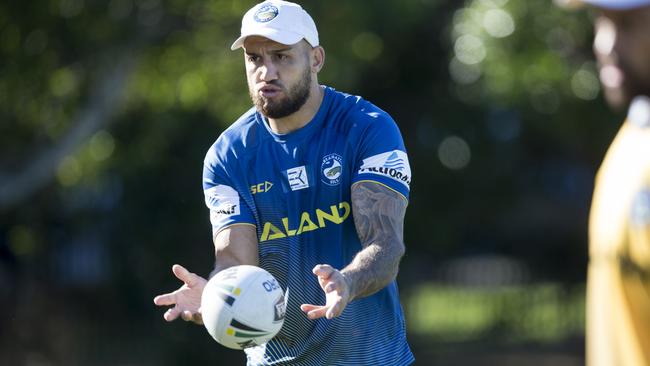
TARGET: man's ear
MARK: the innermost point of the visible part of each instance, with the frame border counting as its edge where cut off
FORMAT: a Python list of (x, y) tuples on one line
[(317, 58)]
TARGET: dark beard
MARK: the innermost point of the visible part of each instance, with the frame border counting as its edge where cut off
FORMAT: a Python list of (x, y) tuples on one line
[(296, 98)]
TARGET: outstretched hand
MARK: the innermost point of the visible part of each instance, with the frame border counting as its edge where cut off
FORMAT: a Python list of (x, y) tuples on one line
[(186, 300), (337, 293)]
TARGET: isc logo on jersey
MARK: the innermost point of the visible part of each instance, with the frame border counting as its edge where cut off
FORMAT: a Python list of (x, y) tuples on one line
[(393, 164), (261, 187), (221, 200)]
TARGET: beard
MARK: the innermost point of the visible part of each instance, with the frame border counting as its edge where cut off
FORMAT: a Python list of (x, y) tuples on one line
[(295, 98)]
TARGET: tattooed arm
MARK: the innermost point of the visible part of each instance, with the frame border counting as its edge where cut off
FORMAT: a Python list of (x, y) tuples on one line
[(379, 219)]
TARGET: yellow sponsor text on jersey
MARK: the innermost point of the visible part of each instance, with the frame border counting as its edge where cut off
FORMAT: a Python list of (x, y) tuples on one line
[(261, 187), (306, 222)]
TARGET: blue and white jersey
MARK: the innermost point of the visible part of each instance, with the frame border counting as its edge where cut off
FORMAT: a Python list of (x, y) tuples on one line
[(295, 189)]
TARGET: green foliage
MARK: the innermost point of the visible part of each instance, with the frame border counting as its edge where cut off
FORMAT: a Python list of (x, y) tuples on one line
[(521, 53)]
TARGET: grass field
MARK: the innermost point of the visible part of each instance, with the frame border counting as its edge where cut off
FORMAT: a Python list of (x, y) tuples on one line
[(544, 312), (534, 325)]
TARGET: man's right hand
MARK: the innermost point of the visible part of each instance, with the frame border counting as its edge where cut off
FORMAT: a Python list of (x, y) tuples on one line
[(186, 300)]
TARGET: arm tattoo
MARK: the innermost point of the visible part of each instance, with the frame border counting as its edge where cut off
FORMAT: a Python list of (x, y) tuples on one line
[(379, 219)]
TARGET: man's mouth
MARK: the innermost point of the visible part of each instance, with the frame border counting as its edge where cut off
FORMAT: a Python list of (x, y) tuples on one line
[(269, 91)]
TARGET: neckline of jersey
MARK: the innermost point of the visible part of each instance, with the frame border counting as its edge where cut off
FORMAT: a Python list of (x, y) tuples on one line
[(305, 130)]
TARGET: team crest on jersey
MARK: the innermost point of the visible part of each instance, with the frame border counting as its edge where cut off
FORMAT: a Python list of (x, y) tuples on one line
[(640, 215), (265, 14), (331, 169)]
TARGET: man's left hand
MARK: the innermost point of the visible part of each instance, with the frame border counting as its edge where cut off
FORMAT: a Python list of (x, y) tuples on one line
[(337, 293)]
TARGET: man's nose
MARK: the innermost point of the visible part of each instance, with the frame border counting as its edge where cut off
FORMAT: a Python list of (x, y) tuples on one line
[(268, 71)]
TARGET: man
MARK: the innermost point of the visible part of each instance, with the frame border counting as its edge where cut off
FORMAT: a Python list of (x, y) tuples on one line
[(618, 292), (311, 184)]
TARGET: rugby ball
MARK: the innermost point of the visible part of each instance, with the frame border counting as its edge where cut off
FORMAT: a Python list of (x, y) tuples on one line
[(243, 306)]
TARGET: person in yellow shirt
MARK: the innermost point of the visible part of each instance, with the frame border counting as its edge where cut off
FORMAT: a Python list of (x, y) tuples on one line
[(618, 285)]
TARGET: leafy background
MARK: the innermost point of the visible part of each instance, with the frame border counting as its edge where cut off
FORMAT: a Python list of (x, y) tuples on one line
[(108, 107)]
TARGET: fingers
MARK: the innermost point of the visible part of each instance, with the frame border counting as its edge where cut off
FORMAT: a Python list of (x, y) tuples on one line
[(170, 298), (334, 280), (323, 270), (331, 286), (327, 311), (197, 318), (194, 317), (334, 310), (189, 278), (314, 311), (307, 307), (166, 299), (189, 316), (183, 297), (172, 314)]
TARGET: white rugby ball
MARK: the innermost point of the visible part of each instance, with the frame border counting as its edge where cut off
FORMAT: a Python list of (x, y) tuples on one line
[(243, 306)]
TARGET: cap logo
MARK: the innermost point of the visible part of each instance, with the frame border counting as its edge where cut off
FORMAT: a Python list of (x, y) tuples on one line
[(265, 14)]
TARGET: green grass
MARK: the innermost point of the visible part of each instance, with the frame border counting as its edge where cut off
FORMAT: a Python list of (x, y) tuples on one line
[(544, 312)]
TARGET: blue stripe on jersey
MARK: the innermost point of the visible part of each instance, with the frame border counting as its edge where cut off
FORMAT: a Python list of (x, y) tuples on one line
[(295, 189)]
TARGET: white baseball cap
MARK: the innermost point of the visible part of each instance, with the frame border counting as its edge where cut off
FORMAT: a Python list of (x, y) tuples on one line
[(617, 4), (280, 21)]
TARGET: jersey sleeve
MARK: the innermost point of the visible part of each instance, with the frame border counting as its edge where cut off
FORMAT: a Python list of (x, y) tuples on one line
[(382, 156), (226, 204)]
